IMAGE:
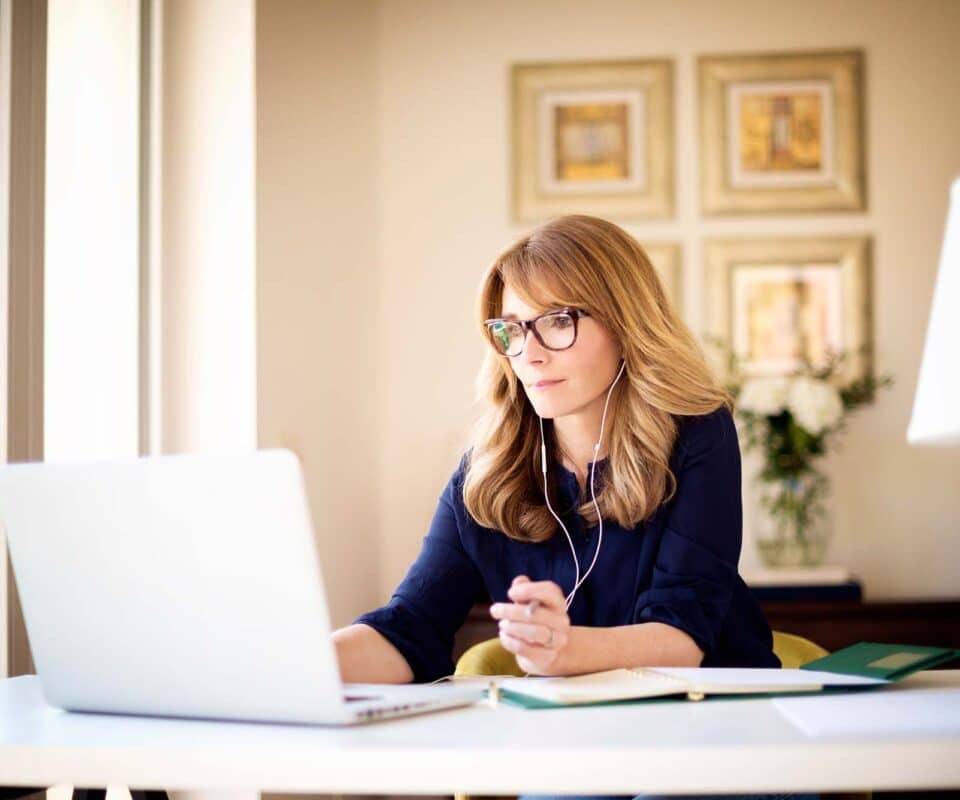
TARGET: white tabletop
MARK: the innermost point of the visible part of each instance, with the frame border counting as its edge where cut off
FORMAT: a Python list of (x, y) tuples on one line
[(674, 746)]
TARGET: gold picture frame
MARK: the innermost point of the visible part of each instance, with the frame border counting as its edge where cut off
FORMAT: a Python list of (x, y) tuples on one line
[(776, 301), (593, 138), (667, 260), (782, 132)]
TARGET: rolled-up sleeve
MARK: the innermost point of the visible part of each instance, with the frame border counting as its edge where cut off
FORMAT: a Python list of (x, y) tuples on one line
[(434, 598), (696, 565)]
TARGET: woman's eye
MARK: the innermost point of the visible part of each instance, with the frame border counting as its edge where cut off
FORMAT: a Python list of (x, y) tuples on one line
[(561, 321)]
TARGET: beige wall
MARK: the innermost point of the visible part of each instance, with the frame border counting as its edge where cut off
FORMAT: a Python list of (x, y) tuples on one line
[(384, 187), (206, 237), (318, 386), (444, 145)]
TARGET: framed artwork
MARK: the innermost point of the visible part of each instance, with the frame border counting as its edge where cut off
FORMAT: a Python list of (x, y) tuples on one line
[(666, 259), (782, 132), (780, 303), (593, 138)]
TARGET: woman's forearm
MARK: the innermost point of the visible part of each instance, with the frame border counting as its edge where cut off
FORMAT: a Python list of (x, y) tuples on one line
[(647, 644), (365, 656)]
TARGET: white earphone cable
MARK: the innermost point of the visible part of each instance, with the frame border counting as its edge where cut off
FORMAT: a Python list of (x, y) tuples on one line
[(593, 488), (578, 581), (546, 494)]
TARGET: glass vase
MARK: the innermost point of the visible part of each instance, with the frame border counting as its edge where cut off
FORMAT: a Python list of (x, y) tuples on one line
[(793, 527)]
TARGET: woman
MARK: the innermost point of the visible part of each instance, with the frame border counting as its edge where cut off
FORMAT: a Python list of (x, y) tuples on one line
[(599, 504)]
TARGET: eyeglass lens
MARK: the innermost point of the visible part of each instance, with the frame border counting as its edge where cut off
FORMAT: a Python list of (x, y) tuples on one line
[(557, 332)]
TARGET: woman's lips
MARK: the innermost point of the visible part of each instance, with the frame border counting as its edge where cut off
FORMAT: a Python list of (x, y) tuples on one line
[(545, 384)]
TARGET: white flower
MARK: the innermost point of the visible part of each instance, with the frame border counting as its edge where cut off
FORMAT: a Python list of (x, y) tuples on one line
[(815, 404), (763, 395)]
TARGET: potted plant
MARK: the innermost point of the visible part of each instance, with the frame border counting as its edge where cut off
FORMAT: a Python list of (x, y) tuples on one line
[(794, 421)]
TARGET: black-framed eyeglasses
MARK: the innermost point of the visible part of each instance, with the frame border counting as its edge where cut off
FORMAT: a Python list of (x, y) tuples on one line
[(555, 330)]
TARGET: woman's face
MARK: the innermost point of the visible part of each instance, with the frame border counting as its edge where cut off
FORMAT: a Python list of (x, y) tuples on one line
[(583, 372)]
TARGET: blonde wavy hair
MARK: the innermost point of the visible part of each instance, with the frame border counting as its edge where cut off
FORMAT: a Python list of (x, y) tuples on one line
[(591, 264)]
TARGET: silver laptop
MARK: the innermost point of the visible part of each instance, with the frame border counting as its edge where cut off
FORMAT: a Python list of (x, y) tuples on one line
[(186, 586)]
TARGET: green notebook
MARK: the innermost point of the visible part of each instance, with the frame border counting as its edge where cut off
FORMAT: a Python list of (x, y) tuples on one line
[(888, 661), (860, 666)]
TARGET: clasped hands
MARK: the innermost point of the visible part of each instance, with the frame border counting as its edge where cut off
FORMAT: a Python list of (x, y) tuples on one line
[(534, 627)]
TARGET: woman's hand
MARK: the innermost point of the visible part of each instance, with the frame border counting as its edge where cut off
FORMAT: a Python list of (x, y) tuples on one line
[(535, 635)]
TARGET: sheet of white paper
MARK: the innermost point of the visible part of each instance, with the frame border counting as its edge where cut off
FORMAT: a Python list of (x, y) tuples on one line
[(879, 712), (731, 676)]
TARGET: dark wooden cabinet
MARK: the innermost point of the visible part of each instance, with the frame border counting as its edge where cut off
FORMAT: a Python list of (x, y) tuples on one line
[(832, 625), (935, 623)]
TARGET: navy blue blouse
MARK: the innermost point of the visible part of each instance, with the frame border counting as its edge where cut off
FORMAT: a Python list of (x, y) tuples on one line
[(679, 567)]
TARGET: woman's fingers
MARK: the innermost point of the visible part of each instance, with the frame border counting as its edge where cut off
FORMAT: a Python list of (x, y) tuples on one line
[(537, 616), (537, 654), (534, 626), (531, 658), (521, 613), (547, 593), (532, 634)]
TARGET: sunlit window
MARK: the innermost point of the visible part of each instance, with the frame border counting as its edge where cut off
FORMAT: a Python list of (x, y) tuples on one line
[(91, 238)]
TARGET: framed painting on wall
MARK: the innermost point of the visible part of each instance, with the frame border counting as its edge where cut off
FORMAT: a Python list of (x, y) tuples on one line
[(782, 132), (779, 304), (593, 138)]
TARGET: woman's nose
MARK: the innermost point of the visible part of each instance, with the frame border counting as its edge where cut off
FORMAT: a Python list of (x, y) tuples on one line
[(532, 349)]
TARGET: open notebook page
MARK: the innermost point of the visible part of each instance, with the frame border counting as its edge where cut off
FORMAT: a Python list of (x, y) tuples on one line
[(623, 684), (597, 687), (716, 678)]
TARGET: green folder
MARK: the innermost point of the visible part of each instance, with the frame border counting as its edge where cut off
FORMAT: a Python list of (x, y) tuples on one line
[(883, 662), (890, 662)]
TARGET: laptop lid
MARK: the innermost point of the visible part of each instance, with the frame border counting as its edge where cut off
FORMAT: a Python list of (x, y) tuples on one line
[(183, 585)]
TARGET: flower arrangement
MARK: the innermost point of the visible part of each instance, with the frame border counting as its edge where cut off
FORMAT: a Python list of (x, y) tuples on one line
[(794, 420)]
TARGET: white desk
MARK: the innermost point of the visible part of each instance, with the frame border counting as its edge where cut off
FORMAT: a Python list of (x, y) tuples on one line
[(664, 746)]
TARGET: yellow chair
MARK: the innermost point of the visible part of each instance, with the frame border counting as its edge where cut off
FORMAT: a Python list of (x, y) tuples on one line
[(488, 658), (794, 651)]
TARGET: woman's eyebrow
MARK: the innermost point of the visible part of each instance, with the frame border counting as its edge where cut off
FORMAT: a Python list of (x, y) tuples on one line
[(511, 315)]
